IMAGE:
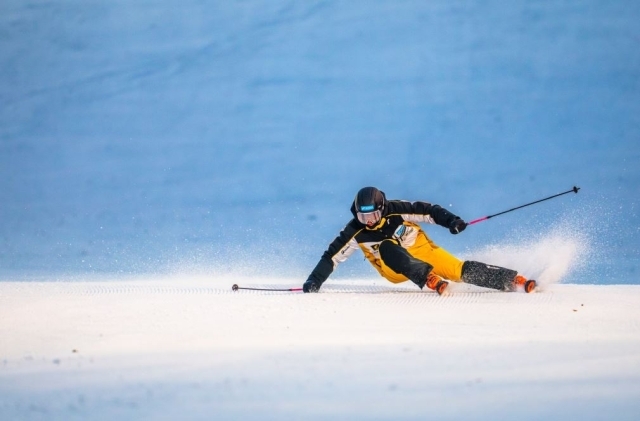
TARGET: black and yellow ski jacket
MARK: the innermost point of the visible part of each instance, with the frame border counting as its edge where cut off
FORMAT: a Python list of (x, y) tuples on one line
[(399, 222)]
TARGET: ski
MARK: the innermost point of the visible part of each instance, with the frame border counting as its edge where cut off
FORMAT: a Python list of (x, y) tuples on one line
[(530, 285)]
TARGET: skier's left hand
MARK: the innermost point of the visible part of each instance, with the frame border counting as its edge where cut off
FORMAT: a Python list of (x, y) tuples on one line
[(457, 226)]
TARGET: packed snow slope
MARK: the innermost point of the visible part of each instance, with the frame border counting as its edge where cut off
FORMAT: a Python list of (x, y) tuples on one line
[(360, 350), (166, 136)]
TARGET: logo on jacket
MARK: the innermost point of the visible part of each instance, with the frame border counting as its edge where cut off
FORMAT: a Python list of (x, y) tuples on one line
[(400, 232)]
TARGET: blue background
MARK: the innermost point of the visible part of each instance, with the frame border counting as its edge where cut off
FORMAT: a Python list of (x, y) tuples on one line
[(188, 136)]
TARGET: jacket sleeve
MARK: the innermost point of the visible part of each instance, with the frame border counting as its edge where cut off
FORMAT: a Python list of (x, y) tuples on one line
[(339, 250), (422, 212)]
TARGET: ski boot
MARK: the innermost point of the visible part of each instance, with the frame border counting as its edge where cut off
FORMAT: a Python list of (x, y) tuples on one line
[(529, 285), (436, 283)]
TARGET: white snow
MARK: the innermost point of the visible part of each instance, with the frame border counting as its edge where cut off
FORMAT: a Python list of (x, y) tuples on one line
[(362, 349)]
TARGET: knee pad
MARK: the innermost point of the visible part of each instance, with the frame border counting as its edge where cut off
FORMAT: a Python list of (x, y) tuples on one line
[(399, 260), (488, 276), (386, 247)]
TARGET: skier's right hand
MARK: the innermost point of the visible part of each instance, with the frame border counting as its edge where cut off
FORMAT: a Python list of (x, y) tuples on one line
[(311, 286)]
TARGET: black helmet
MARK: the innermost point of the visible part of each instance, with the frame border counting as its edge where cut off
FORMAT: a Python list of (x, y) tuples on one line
[(369, 205)]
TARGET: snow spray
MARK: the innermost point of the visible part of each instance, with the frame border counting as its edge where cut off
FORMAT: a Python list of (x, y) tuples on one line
[(547, 257)]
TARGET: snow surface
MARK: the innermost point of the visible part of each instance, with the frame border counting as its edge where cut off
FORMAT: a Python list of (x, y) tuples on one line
[(369, 350)]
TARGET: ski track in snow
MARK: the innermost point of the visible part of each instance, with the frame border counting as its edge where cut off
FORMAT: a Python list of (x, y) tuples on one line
[(456, 292)]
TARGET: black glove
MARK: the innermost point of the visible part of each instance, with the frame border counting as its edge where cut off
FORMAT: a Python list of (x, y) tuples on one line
[(311, 286), (457, 226)]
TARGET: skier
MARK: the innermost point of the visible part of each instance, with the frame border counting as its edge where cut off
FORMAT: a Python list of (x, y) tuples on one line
[(388, 233)]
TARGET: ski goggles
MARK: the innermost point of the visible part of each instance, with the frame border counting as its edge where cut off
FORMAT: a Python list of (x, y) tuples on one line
[(369, 218)]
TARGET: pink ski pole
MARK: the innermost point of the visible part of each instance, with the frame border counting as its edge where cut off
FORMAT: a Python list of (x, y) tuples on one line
[(484, 218), (235, 287)]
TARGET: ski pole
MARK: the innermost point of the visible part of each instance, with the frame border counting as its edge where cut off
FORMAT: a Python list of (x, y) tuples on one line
[(235, 287), (484, 218)]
